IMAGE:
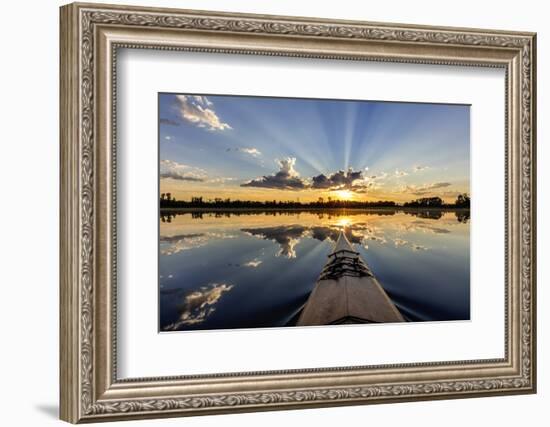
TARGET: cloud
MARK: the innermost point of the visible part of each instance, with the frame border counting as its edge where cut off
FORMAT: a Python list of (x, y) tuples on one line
[(419, 190), (254, 152), (221, 180), (170, 122), (356, 181), (451, 193), (197, 110), (380, 176), (419, 168), (439, 185), (179, 177), (168, 138), (369, 183), (337, 180), (287, 177), (198, 305), (181, 172), (366, 186)]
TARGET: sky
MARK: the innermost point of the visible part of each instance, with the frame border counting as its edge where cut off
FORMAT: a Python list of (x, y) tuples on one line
[(269, 148)]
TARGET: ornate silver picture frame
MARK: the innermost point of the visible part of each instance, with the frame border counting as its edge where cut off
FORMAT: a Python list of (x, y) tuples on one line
[(91, 36)]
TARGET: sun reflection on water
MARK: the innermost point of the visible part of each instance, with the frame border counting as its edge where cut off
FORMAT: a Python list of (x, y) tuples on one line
[(343, 222)]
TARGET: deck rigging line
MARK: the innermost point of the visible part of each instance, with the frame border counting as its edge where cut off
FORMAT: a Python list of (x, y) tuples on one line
[(347, 292)]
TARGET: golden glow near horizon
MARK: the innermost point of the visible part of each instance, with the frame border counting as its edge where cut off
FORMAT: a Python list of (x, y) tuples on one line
[(343, 194), (182, 190)]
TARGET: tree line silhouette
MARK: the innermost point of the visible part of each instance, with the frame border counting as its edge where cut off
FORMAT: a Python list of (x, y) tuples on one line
[(167, 202), (462, 201)]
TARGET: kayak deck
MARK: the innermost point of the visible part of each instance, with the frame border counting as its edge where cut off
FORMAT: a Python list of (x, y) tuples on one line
[(347, 292)]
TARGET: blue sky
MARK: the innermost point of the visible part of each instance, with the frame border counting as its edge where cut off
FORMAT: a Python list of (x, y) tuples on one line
[(258, 148)]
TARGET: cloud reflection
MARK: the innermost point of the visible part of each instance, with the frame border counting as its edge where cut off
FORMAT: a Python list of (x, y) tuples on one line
[(286, 236), (289, 236), (171, 245), (253, 263), (198, 305), (398, 242), (425, 227)]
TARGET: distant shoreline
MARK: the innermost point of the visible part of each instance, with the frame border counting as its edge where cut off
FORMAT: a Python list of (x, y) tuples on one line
[(305, 209)]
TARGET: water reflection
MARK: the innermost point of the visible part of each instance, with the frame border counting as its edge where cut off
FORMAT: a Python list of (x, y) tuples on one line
[(168, 215), (253, 263), (286, 236), (425, 227), (360, 233), (426, 214), (463, 215), (256, 269), (171, 245), (197, 305)]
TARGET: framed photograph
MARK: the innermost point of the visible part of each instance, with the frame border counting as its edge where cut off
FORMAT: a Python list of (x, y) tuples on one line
[(266, 212)]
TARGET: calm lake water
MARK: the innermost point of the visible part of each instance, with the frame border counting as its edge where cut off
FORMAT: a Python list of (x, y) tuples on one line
[(256, 269)]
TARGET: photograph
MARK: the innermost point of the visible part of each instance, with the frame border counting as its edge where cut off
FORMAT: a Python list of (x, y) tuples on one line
[(281, 212)]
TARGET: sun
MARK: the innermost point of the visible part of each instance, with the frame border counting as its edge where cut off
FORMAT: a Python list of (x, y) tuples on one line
[(344, 194)]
